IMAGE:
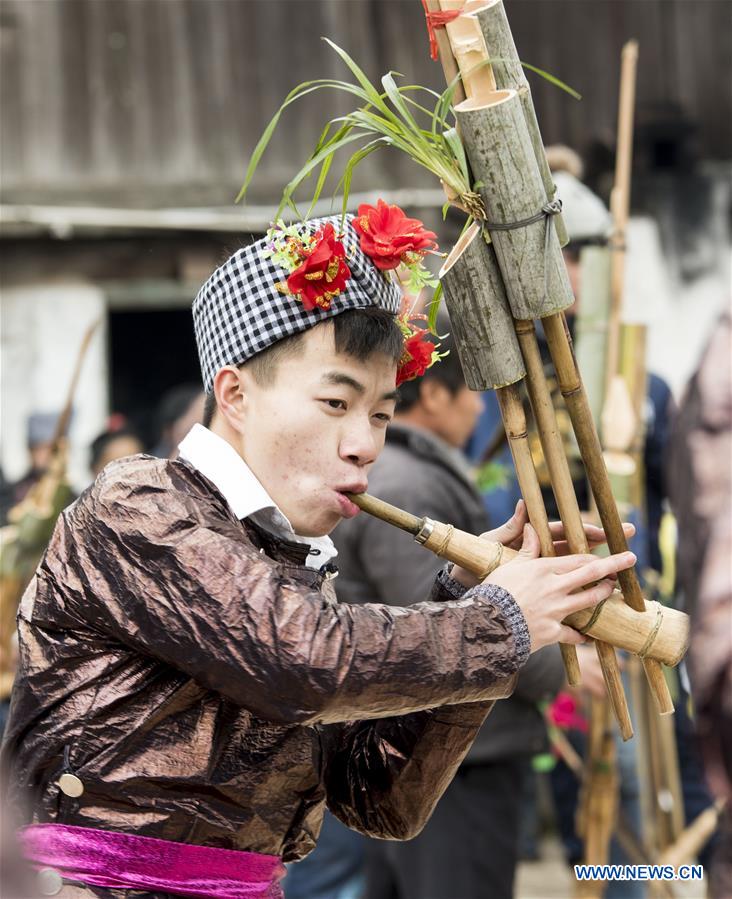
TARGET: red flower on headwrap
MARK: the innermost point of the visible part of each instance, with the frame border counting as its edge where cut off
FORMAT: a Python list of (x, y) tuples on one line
[(389, 237), (323, 274), (418, 355)]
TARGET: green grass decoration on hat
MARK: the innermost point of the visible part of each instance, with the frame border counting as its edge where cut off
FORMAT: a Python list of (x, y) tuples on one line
[(387, 118), (391, 117)]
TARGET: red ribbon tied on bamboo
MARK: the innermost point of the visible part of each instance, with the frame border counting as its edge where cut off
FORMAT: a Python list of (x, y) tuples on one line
[(438, 19)]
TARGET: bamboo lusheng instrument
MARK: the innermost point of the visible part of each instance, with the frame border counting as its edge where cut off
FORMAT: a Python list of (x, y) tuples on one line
[(491, 359), (472, 270), (502, 158), (598, 806), (620, 202), (491, 355), (31, 524), (657, 632), (691, 840), (505, 161)]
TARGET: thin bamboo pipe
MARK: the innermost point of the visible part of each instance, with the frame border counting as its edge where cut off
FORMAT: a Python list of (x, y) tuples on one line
[(691, 840), (469, 51), (569, 511), (620, 199), (598, 808), (570, 382), (514, 422)]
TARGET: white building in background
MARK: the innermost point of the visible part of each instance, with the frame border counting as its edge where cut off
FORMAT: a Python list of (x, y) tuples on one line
[(40, 325)]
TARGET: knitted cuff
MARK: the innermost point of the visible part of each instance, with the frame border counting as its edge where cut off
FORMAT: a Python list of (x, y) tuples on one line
[(453, 587), (511, 612)]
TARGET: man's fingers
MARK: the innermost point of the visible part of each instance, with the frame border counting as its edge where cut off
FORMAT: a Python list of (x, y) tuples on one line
[(530, 547), (594, 570), (564, 564), (594, 534), (570, 635), (513, 528), (584, 599)]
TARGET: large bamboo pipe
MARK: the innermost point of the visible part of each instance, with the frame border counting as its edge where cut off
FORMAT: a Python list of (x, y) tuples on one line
[(570, 383), (657, 632)]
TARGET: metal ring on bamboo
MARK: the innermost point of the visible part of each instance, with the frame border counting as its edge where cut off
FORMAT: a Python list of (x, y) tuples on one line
[(646, 648), (425, 531), (593, 617)]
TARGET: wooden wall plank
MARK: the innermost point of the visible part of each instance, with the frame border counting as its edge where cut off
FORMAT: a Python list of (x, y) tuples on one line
[(162, 101)]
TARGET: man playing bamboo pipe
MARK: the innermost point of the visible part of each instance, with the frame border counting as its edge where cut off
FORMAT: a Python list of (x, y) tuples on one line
[(188, 686)]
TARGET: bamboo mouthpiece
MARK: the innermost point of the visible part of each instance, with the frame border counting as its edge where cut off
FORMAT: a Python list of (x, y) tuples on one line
[(386, 512)]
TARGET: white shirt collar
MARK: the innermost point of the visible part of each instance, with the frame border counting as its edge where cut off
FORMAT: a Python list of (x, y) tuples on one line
[(224, 467)]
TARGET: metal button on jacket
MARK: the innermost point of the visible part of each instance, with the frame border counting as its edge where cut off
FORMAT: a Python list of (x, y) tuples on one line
[(50, 882), (70, 785)]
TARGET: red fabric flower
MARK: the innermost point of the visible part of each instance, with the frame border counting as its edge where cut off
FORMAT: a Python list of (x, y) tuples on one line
[(323, 274), (564, 712), (416, 357), (387, 235)]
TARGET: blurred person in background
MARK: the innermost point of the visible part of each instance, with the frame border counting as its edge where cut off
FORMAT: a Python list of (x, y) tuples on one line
[(180, 408), (41, 427), (469, 847), (118, 441), (701, 478)]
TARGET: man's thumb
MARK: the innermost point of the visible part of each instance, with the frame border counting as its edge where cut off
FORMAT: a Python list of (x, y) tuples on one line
[(530, 548)]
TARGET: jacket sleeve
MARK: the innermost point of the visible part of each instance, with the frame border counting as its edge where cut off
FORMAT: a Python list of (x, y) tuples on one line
[(186, 588), (383, 778)]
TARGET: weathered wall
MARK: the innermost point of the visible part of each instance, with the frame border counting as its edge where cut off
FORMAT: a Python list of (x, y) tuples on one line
[(159, 102)]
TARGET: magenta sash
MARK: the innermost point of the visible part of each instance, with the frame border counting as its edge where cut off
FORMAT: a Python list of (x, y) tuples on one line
[(105, 858)]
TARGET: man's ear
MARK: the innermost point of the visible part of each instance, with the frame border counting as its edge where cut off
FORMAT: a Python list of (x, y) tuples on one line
[(231, 399)]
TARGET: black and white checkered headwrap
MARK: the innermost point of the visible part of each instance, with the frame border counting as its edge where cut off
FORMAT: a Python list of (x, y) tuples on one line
[(239, 312)]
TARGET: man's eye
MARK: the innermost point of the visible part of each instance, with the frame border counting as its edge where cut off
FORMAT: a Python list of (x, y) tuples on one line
[(383, 416), (335, 404)]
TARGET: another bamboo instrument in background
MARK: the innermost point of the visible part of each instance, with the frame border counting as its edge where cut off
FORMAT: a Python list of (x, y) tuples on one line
[(31, 524)]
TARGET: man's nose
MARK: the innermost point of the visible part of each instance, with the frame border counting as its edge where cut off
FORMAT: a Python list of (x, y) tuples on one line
[(358, 443)]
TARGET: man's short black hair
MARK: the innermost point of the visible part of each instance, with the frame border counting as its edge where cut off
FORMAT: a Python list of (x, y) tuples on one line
[(447, 372), (360, 333)]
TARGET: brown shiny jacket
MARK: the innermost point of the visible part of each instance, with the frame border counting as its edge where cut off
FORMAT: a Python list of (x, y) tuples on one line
[(190, 671)]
